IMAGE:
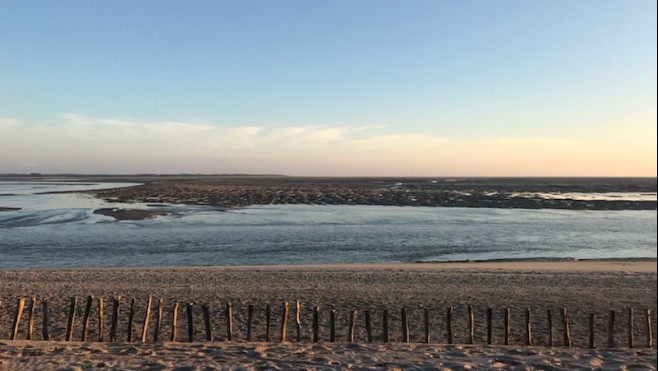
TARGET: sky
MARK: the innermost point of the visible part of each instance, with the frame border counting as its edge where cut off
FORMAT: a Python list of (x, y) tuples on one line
[(329, 88)]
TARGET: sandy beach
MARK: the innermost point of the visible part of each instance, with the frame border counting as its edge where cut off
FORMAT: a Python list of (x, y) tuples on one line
[(582, 287)]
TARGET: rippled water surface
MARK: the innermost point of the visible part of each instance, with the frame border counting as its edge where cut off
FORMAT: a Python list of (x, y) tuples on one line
[(61, 230)]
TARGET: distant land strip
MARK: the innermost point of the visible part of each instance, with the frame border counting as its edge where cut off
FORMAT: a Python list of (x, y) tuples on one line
[(519, 193)]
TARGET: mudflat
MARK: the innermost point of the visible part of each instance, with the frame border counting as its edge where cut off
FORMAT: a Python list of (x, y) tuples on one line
[(245, 190)]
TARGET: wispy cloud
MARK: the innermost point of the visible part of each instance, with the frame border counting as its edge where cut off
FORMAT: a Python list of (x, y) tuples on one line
[(78, 143)]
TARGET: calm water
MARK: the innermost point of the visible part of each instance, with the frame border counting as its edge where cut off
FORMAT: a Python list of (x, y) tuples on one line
[(60, 230)]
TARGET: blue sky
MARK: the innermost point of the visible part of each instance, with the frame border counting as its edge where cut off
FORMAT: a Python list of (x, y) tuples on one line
[(434, 88)]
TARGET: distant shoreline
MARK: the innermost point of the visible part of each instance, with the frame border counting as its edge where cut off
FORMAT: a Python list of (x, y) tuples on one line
[(517, 193)]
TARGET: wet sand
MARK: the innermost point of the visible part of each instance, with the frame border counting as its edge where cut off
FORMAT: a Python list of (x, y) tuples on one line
[(129, 214), (9, 209)]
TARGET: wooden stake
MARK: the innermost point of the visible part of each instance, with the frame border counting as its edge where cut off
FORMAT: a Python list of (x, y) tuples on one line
[(368, 325), (489, 325), (611, 329), (190, 322), (147, 317), (116, 310), (630, 328), (298, 322), (591, 330), (316, 324), (44, 327), (426, 318), (85, 319), (17, 318), (350, 333), (449, 323), (268, 315), (550, 327), (174, 321), (229, 322), (284, 321), (206, 321), (506, 323), (158, 321), (528, 328), (100, 320), (30, 318), (332, 325), (471, 325), (649, 326), (131, 317), (250, 320), (69, 326), (385, 326), (405, 325), (565, 325)]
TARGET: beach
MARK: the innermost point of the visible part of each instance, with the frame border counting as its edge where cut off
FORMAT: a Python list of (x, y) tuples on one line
[(582, 287)]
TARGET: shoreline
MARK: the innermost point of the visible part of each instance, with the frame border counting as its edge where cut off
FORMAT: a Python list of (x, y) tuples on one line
[(644, 265)]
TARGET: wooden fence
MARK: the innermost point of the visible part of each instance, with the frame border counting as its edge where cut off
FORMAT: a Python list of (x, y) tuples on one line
[(276, 324)]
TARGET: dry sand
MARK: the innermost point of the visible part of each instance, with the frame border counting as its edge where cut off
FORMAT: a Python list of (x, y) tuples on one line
[(582, 287)]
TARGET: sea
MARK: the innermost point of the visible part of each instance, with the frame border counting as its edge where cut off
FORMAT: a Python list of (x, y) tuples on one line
[(61, 230)]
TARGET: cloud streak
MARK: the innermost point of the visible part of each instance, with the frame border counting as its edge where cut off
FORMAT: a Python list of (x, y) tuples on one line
[(77, 143)]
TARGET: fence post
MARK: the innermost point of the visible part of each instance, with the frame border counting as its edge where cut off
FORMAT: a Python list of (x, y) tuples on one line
[(131, 317), (85, 319), (332, 325), (268, 315), (69, 326), (147, 316), (101, 327), (250, 320), (611, 329), (116, 310), (385, 326), (229, 322), (630, 328), (190, 322), (44, 327), (17, 318), (565, 324), (528, 327), (549, 316), (471, 325), (298, 321), (30, 318), (316, 324), (426, 318), (449, 324), (174, 321), (206, 320), (158, 321), (368, 325), (489, 325), (649, 326), (350, 333), (506, 323), (591, 330), (284, 321), (405, 326)]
